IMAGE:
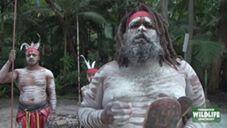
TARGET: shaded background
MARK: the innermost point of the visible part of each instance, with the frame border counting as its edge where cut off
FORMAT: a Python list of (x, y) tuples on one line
[(56, 22)]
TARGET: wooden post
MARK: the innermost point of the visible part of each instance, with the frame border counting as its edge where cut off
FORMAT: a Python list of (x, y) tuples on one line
[(13, 48), (78, 58), (185, 45)]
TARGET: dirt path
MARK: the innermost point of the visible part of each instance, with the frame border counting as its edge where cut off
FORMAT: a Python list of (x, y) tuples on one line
[(70, 106)]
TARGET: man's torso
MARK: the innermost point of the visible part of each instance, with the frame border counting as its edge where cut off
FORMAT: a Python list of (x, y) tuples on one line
[(32, 85), (142, 88)]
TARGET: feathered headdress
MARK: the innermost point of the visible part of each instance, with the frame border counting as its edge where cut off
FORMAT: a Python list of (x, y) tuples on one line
[(34, 47), (90, 67)]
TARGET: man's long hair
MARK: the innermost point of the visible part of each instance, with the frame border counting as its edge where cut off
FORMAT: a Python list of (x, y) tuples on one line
[(169, 55)]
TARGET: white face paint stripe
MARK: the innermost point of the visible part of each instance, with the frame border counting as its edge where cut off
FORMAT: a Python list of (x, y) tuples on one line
[(135, 20), (139, 20)]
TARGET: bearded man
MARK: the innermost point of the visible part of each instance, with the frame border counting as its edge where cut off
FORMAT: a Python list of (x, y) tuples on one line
[(37, 100), (145, 86)]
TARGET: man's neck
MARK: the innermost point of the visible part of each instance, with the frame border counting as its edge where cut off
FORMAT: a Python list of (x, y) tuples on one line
[(151, 62), (33, 67), (148, 66)]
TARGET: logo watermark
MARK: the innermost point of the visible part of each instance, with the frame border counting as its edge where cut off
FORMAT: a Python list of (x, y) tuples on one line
[(206, 115)]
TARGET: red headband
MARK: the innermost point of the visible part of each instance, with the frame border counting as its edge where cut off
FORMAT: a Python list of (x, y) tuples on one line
[(92, 70), (32, 50), (139, 14)]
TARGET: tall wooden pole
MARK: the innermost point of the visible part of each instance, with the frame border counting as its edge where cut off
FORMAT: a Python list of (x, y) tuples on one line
[(78, 57), (13, 48)]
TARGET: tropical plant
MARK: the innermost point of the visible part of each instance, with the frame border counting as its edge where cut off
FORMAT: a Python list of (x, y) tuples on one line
[(56, 22), (204, 53)]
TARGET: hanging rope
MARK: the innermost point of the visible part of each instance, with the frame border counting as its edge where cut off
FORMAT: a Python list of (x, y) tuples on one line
[(13, 48)]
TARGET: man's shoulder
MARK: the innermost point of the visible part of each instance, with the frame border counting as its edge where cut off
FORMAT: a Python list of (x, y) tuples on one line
[(19, 70), (185, 68), (44, 69), (110, 66), (47, 71), (182, 64)]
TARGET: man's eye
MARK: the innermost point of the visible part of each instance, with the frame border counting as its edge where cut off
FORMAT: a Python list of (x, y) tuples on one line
[(148, 25), (134, 25)]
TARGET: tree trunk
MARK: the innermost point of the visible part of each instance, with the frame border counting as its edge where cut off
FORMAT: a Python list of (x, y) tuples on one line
[(3, 8), (214, 81), (190, 30), (164, 9), (1, 42), (222, 38)]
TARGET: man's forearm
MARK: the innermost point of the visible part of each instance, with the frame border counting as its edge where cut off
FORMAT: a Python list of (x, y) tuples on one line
[(53, 102), (90, 117), (4, 71), (52, 95), (53, 99)]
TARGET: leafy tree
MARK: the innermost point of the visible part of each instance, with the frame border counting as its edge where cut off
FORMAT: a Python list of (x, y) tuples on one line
[(56, 22)]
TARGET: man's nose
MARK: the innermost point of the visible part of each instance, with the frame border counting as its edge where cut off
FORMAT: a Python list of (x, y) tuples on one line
[(142, 28), (31, 56)]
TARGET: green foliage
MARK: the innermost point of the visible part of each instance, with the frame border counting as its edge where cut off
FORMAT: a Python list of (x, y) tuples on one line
[(65, 81), (3, 90), (205, 19), (68, 74), (98, 22), (205, 52), (67, 62), (206, 13), (225, 53), (93, 16)]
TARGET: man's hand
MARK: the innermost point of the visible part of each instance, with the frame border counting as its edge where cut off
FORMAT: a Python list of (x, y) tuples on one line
[(117, 113), (51, 116), (12, 55)]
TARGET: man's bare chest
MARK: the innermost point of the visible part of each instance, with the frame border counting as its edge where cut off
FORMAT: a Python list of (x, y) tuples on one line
[(144, 86), (32, 78)]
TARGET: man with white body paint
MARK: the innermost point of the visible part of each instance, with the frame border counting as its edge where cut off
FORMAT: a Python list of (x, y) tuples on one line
[(91, 70), (37, 100), (146, 77)]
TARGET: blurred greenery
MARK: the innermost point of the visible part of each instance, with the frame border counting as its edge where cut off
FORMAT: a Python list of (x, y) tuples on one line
[(56, 22)]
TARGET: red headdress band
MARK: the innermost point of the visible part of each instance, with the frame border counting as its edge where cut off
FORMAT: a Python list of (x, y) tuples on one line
[(92, 70), (33, 47), (139, 14), (28, 50), (91, 67)]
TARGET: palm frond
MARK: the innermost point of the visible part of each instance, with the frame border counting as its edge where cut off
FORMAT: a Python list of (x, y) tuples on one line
[(204, 52), (108, 31), (93, 16)]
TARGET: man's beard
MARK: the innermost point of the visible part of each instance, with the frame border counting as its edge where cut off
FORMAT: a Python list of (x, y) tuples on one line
[(140, 49), (31, 61)]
